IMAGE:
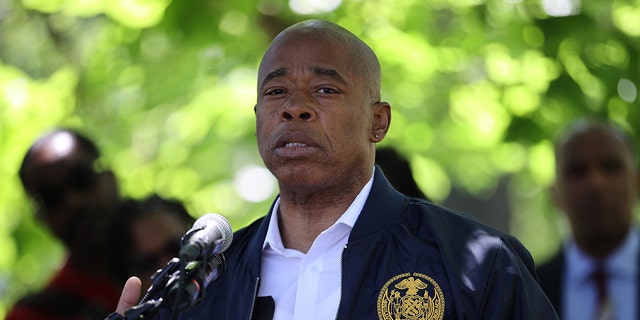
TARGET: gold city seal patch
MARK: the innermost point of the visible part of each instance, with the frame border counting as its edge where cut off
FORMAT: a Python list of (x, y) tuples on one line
[(412, 296)]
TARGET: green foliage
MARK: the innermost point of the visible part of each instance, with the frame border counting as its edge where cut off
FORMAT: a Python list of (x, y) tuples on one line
[(478, 89)]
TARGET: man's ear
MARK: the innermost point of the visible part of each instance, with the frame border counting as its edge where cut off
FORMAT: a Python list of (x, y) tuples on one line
[(381, 121)]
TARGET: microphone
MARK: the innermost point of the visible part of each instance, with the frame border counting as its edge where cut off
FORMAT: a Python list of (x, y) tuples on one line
[(200, 260), (185, 290), (210, 235)]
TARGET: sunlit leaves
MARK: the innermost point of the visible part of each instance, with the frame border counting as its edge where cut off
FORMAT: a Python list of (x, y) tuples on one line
[(412, 55), (541, 163), (478, 116), (132, 13), (533, 36), (136, 13), (509, 157), (625, 16), (234, 23), (537, 71), (418, 137), (178, 182), (521, 100), (430, 177), (618, 111), (24, 97), (611, 52), (569, 55), (501, 67)]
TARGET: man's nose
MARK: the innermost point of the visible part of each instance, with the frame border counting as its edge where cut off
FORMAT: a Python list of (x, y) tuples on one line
[(298, 107), (597, 179)]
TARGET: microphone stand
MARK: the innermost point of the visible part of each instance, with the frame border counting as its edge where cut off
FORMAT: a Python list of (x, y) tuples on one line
[(171, 284)]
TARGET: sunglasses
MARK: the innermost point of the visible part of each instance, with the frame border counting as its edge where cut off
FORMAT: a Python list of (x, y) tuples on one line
[(79, 178)]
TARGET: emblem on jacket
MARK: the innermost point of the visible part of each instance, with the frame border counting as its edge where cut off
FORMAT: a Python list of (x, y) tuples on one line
[(412, 296)]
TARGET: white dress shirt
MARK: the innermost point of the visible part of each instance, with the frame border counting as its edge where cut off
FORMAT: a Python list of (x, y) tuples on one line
[(579, 292), (307, 286)]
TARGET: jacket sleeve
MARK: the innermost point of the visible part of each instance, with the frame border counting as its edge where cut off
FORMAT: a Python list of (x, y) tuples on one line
[(512, 290)]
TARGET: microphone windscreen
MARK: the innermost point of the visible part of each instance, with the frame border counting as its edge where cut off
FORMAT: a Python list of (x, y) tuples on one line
[(219, 221)]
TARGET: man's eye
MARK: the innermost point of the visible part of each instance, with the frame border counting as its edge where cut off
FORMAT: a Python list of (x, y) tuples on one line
[(575, 171), (272, 92), (613, 166), (327, 90)]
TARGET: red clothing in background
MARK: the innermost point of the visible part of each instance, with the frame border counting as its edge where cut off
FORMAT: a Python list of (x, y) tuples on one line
[(72, 294)]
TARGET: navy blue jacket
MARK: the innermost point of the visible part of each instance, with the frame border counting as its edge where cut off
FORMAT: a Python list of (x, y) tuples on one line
[(406, 258), (551, 276)]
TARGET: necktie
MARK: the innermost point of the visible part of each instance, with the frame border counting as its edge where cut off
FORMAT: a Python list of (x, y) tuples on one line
[(604, 310)]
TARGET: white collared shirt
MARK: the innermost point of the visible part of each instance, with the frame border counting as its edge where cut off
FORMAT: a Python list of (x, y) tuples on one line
[(579, 293), (307, 286)]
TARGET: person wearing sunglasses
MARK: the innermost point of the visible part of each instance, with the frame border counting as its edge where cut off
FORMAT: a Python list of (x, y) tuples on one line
[(74, 198)]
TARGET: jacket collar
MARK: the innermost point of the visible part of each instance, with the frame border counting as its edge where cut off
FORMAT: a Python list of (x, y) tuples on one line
[(383, 206)]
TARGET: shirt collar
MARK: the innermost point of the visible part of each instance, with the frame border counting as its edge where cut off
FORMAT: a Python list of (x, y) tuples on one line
[(273, 238), (620, 264), (623, 262)]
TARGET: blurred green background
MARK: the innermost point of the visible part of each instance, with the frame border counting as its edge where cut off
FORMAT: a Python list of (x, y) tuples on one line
[(478, 90)]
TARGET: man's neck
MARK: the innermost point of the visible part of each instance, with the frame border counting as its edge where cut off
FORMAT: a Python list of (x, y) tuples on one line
[(303, 216), (305, 213), (601, 248), (300, 224)]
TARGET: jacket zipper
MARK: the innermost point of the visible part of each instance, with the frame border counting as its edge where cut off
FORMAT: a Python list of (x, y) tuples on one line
[(341, 274), (255, 295)]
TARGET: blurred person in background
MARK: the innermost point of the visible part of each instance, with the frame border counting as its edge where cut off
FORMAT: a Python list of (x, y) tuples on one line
[(595, 273), (75, 198), (149, 230)]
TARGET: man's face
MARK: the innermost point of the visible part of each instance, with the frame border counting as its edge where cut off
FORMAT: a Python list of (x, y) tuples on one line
[(71, 197), (597, 184), (314, 116)]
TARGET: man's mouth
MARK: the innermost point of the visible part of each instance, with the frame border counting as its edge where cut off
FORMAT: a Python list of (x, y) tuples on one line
[(295, 149), (295, 144)]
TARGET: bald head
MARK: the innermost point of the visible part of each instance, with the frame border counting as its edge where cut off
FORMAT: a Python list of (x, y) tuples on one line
[(582, 127), (55, 147), (361, 58)]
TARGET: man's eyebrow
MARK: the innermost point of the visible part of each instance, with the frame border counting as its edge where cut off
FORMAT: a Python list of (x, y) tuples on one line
[(328, 72), (332, 73), (274, 74)]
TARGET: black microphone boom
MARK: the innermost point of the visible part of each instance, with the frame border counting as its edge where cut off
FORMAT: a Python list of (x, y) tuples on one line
[(201, 261), (197, 275), (210, 235)]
